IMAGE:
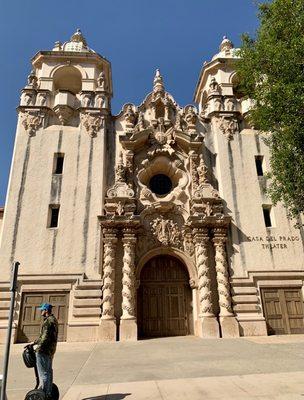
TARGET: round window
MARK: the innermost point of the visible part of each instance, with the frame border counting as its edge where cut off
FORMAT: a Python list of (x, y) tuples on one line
[(160, 184)]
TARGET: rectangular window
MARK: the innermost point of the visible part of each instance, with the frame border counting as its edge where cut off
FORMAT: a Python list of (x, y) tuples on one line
[(267, 216), (259, 165), (53, 216), (58, 163)]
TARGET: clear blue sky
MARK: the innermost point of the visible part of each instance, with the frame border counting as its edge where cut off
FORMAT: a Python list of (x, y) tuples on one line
[(136, 36)]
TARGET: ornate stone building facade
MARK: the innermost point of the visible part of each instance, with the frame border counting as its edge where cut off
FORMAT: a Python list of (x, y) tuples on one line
[(152, 222)]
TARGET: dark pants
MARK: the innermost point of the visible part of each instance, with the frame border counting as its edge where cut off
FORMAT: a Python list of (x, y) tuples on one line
[(45, 372)]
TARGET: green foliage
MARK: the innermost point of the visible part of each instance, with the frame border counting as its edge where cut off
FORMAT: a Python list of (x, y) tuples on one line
[(271, 72)]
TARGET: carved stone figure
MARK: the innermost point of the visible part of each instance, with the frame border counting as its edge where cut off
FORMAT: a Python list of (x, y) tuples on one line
[(191, 119), (230, 104), (27, 99), (101, 101), (120, 170), (42, 99), (202, 171), (214, 87), (86, 100), (217, 104), (101, 80), (32, 80), (129, 117)]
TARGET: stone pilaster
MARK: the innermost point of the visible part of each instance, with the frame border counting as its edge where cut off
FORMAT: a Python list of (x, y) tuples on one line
[(228, 322), (128, 325), (108, 320), (209, 325)]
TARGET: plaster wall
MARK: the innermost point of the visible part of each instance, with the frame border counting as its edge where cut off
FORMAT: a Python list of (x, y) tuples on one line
[(74, 246), (254, 247)]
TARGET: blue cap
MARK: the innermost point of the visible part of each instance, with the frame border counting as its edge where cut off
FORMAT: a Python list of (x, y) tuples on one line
[(46, 307)]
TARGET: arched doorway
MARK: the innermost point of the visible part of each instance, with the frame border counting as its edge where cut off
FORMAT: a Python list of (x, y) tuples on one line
[(164, 298)]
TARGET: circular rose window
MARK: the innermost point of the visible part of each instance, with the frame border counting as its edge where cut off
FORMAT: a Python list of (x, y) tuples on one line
[(160, 184)]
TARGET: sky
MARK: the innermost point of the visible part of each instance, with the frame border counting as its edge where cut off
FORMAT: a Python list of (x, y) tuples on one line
[(136, 36)]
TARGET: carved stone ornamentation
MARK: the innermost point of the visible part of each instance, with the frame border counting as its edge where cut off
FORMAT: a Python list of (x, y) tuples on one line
[(92, 123), (201, 251), (222, 276), (189, 244), (166, 231), (128, 279), (31, 121), (109, 246), (228, 126)]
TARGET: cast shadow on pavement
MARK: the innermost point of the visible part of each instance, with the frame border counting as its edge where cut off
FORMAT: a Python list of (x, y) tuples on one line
[(114, 396)]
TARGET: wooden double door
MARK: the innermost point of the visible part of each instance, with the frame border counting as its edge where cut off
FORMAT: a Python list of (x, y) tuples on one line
[(164, 299), (283, 310), (30, 316)]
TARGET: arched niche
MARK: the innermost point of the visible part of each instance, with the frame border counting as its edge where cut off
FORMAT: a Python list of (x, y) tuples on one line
[(67, 78)]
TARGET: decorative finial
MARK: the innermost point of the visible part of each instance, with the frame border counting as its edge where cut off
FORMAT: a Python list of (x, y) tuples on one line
[(78, 37), (158, 84), (226, 44)]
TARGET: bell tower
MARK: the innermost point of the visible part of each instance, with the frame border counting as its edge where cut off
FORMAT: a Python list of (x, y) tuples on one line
[(57, 176)]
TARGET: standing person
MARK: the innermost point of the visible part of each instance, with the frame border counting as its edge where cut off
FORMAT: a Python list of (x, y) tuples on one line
[(46, 348)]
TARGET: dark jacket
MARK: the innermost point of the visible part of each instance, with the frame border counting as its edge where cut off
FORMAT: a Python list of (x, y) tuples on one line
[(47, 340)]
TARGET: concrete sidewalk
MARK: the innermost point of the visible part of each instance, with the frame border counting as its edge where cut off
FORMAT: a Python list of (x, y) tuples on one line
[(280, 386), (172, 368)]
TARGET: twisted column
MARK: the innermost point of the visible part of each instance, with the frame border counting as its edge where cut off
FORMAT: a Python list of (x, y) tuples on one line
[(128, 277), (109, 246), (222, 276), (201, 239)]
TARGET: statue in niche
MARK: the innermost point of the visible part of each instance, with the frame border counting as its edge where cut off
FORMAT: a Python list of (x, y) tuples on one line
[(202, 171), (42, 99), (191, 118), (214, 87), (32, 80), (130, 116), (86, 100), (230, 104), (217, 104), (101, 80), (26, 99), (101, 101), (120, 171)]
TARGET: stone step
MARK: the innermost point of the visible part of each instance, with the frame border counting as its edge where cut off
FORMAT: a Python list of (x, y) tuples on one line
[(245, 299), (87, 293), (87, 312), (4, 305), (247, 308), (235, 290), (92, 302)]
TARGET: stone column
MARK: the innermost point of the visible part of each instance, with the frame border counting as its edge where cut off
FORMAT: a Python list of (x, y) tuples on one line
[(108, 320), (128, 324), (228, 322), (209, 326)]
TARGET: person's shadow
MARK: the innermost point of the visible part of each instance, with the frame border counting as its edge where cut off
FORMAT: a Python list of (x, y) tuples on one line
[(114, 396)]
